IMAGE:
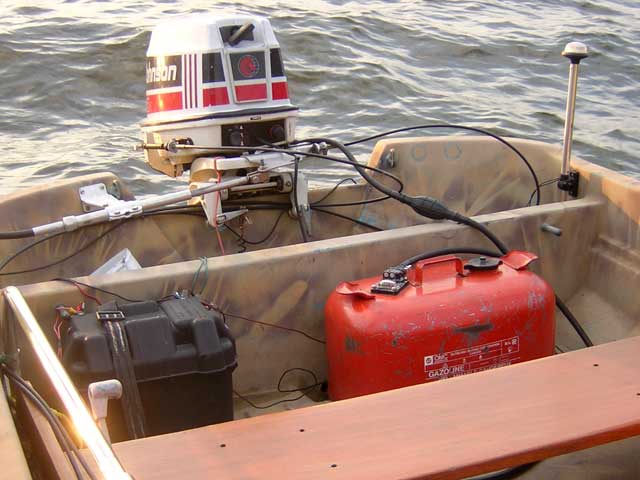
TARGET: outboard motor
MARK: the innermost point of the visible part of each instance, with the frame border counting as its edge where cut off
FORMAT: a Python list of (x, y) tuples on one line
[(218, 81), (214, 80)]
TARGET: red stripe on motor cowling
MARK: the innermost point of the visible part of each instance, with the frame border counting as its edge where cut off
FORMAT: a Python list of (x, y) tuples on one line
[(187, 83), (194, 81), (163, 102), (244, 93), (279, 90), (215, 96)]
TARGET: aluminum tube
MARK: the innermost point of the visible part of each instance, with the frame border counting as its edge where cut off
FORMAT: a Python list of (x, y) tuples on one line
[(163, 200), (257, 186), (170, 198), (569, 115), (105, 459), (219, 186)]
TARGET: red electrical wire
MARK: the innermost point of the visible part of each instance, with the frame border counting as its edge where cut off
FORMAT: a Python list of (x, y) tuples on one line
[(57, 324), (85, 294)]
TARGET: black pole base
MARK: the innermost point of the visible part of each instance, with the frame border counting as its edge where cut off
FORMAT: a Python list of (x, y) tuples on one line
[(569, 182)]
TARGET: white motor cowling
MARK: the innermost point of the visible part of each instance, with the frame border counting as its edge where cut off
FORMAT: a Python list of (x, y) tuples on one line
[(218, 81)]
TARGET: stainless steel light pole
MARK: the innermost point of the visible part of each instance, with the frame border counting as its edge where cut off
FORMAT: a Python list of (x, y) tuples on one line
[(574, 51)]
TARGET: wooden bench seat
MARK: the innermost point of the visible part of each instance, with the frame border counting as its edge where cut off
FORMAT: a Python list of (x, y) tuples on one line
[(448, 429)]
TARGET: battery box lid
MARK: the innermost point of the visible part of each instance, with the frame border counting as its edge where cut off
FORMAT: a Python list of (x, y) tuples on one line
[(168, 338)]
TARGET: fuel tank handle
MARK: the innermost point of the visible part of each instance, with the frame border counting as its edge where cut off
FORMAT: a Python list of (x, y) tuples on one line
[(419, 267)]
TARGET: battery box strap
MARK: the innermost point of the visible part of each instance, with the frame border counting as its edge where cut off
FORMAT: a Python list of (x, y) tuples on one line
[(120, 353)]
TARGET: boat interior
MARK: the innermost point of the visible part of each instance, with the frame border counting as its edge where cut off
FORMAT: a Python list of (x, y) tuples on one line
[(272, 288)]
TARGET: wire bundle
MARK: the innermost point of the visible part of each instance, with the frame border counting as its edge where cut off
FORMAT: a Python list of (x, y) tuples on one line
[(62, 436)]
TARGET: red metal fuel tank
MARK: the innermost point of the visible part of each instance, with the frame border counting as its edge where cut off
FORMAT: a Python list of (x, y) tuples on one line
[(448, 319)]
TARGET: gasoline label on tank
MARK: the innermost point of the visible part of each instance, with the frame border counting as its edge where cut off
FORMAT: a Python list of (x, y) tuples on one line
[(472, 359)]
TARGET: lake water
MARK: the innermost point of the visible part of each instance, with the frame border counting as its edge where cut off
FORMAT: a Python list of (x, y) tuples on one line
[(73, 76)]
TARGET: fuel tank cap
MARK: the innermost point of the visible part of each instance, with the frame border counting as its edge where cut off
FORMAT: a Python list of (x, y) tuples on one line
[(483, 263)]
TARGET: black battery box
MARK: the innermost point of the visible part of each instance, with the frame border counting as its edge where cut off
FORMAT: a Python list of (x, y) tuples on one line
[(174, 358)]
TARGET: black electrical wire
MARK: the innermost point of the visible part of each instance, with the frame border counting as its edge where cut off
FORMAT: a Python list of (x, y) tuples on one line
[(249, 203), (335, 187), (60, 432), (484, 230), (174, 210), (29, 246), (263, 407), (277, 205), (266, 237), (98, 289), (481, 251), (26, 233), (262, 204), (303, 390), (259, 206), (57, 262), (266, 324), (349, 204), (49, 416), (543, 184), (457, 127), (292, 390), (354, 203), (574, 322), (351, 219)]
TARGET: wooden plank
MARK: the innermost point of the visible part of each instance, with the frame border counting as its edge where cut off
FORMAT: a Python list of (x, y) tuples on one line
[(449, 429)]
